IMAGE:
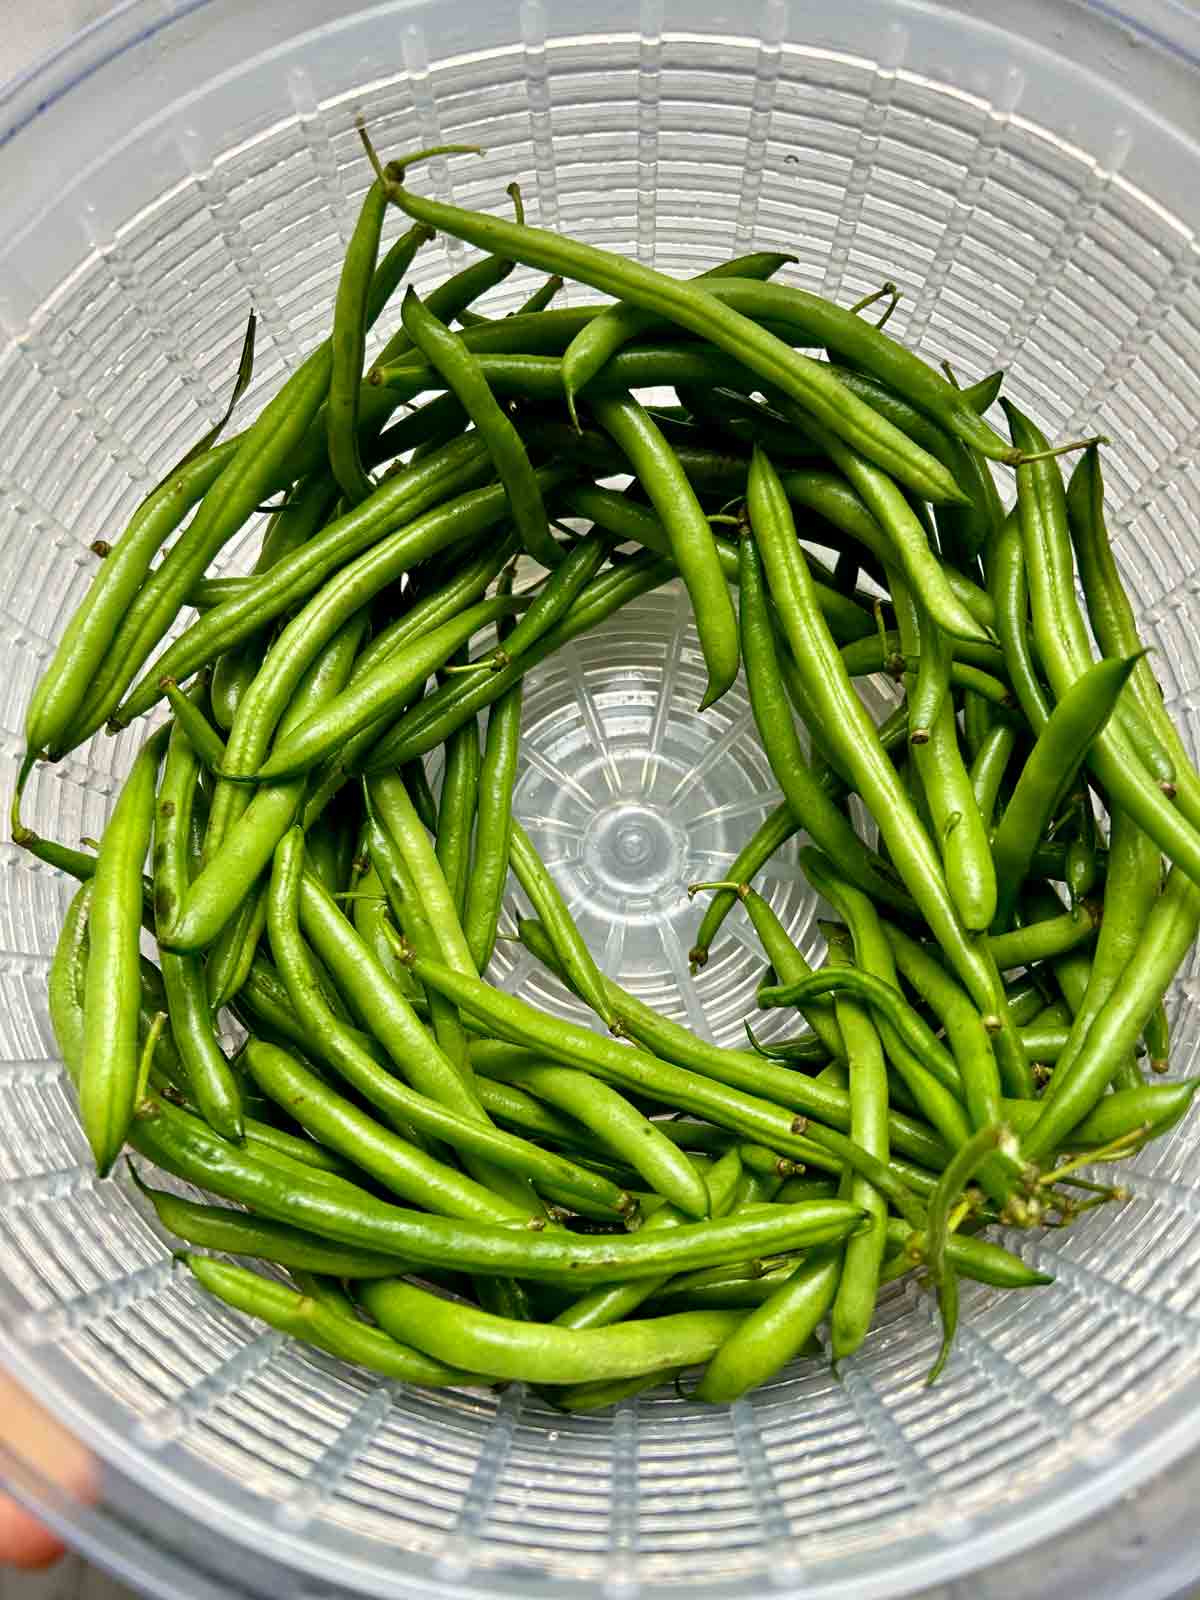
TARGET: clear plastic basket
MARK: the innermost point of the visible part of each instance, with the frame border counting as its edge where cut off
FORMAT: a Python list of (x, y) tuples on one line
[(1029, 176)]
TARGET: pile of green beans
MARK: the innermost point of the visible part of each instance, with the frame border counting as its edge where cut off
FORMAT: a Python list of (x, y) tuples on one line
[(465, 1189)]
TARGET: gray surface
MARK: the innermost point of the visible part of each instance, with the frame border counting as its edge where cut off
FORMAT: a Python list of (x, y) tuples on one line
[(71, 1579)]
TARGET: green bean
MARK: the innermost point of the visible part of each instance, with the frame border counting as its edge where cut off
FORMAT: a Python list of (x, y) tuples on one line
[(806, 1047), (489, 866), (1114, 1031), (256, 470), (625, 520), (883, 998), (1045, 1042), (965, 1028), (77, 864), (440, 606), (447, 352), (555, 598), (624, 1130), (765, 1163), (858, 1282), (520, 350), (62, 688), (770, 836), (220, 1228), (1151, 1109), (1062, 643), (223, 883), (1039, 941), (397, 527), (109, 1067), (908, 844), (540, 298), (788, 964), (210, 1077), (613, 1303), (388, 674), (1114, 625), (1131, 889), (817, 319), (376, 1001), (805, 1188), (507, 1349), (66, 981), (326, 1292), (1062, 745), (813, 809), (548, 333), (331, 845), (744, 1114), (426, 726), (1026, 999), (229, 958), (264, 1004), (392, 1160), (739, 1069), (843, 510), (1008, 587), (712, 406), (362, 703), (971, 1258), (342, 1213), (693, 549), (885, 654), (961, 1168), (1157, 1038), (445, 302), (978, 720), (407, 904), (462, 586), (983, 395), (507, 1104), (348, 344), (582, 1398), (551, 909), (937, 761), (702, 312), (932, 1078), (201, 735), (989, 767), (961, 528), (396, 814), (908, 541), (304, 1318), (766, 1339), (619, 324), (304, 513), (456, 809), (265, 1139), (1057, 1014), (453, 1118)]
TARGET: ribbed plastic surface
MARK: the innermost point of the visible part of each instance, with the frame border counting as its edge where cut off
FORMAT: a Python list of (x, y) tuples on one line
[(1032, 188)]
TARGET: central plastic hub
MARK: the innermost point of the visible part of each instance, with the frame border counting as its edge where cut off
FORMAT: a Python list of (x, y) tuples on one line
[(632, 849)]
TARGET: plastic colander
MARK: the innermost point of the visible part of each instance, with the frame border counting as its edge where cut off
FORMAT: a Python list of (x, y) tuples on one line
[(1029, 175)]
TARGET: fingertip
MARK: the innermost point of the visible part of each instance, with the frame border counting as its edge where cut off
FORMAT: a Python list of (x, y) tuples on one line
[(25, 1543)]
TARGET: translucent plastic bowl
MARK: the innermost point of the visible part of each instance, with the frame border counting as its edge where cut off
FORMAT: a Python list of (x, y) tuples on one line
[(1033, 184)]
